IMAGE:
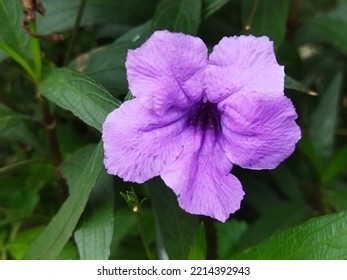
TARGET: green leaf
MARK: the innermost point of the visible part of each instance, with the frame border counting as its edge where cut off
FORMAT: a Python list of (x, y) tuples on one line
[(316, 160), (228, 236), (178, 228), (111, 72), (69, 252), (75, 162), (331, 27), (337, 164), (19, 191), (70, 139), (291, 83), (261, 198), (323, 124), (287, 183), (11, 32), (3, 55), (127, 243), (209, 7), (8, 118), (21, 133), (18, 246), (337, 194), (199, 247), (79, 94), (14, 128), (333, 31), (178, 16), (61, 15), (279, 216), (319, 238), (93, 237), (54, 237), (124, 222), (266, 17), (14, 41)]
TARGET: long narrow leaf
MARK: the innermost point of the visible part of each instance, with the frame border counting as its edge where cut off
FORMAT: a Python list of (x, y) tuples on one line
[(94, 236), (54, 237)]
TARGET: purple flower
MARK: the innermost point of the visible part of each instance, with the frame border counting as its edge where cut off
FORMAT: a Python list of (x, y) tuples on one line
[(194, 116)]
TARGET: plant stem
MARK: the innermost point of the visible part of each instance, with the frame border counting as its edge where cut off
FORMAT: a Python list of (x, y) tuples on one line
[(20, 164), (248, 25), (48, 119), (54, 149), (74, 32), (143, 238), (324, 205), (36, 51), (50, 125), (20, 60)]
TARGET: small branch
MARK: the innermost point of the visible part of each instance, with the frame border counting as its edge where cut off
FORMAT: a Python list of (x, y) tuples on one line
[(135, 205), (143, 238), (293, 20), (50, 124), (20, 164), (54, 149), (30, 7), (248, 25), (74, 32)]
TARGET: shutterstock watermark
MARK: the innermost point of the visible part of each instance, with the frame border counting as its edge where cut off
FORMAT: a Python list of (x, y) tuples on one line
[(152, 271)]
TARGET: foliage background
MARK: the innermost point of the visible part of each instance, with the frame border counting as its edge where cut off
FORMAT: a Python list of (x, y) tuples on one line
[(57, 202)]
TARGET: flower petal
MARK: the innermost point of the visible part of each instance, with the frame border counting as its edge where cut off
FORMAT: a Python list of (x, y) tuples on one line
[(201, 177), (259, 133), (138, 144), (243, 64), (167, 70)]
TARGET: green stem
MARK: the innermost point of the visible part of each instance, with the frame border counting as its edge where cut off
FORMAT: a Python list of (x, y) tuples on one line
[(74, 32), (20, 164), (248, 25), (34, 72), (143, 238), (36, 51), (20, 60)]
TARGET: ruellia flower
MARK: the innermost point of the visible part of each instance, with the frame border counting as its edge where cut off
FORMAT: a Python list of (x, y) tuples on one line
[(194, 115)]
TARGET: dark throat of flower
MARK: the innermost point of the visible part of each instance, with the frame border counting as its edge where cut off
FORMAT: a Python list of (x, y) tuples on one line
[(206, 116)]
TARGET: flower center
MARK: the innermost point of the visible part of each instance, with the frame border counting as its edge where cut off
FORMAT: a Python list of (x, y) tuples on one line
[(206, 116)]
